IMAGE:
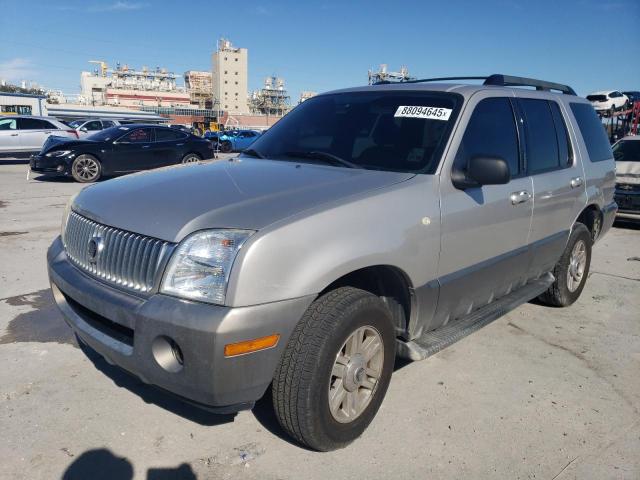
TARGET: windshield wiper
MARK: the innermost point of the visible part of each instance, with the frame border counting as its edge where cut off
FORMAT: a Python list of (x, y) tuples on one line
[(253, 153), (324, 156)]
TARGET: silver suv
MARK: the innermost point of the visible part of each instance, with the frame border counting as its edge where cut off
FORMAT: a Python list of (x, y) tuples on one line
[(369, 223)]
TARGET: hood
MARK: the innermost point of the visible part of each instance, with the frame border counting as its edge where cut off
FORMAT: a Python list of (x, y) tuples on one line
[(628, 172), (173, 202), (60, 143)]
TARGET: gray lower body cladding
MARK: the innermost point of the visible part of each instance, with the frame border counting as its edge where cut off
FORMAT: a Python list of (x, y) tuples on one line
[(123, 328)]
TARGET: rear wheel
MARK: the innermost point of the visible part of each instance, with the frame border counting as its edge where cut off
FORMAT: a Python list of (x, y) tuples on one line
[(86, 168), (572, 269), (191, 158), (335, 369), (225, 147)]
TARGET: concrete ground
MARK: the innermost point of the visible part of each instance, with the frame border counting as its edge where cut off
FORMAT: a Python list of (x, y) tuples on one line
[(540, 393)]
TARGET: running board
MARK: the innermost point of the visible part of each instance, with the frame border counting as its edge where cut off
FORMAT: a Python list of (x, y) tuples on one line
[(434, 341)]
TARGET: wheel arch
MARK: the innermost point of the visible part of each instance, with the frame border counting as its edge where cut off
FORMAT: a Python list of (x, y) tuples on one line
[(391, 284), (591, 216)]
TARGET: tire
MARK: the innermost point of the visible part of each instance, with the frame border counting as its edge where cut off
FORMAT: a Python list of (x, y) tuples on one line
[(86, 168), (226, 147), (567, 287), (313, 367), (191, 158)]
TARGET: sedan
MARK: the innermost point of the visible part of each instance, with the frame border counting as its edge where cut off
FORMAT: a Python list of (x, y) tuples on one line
[(118, 150), (237, 140), (89, 126)]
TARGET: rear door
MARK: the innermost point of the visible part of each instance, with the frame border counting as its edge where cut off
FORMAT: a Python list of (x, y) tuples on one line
[(485, 230), (34, 132), (9, 141), (558, 180), (133, 151), (169, 146)]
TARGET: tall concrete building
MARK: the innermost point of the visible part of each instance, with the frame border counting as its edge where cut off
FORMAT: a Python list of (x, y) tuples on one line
[(230, 73)]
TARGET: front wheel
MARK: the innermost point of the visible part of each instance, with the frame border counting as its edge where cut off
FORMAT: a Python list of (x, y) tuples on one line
[(226, 147), (572, 269), (335, 369), (86, 168)]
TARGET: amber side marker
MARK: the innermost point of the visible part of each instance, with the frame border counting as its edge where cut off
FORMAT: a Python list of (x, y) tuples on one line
[(249, 346)]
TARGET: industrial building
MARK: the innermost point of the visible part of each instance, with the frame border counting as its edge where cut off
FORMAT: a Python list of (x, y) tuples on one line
[(272, 99), (200, 88), (230, 77), (383, 75), (22, 104), (124, 86)]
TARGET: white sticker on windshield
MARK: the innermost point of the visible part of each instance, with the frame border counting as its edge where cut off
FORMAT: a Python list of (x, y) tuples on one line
[(416, 111)]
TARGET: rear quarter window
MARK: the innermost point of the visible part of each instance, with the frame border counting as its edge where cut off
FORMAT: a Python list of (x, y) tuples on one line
[(593, 133)]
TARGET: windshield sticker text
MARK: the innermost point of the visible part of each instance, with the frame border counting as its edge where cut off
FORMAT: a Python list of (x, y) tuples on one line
[(415, 111)]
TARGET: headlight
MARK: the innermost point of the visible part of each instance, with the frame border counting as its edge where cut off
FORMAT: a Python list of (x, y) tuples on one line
[(58, 153), (65, 216), (199, 267)]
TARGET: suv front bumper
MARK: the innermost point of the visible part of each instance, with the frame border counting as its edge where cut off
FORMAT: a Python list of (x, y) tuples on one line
[(126, 330)]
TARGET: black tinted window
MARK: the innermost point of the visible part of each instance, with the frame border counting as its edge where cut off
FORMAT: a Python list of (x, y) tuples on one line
[(168, 134), (379, 130), (592, 131), (93, 125), (34, 124), (564, 144), (627, 151), (542, 144), (140, 135), (491, 132)]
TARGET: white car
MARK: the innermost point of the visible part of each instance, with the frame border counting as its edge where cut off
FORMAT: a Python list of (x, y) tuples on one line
[(22, 135), (610, 100), (89, 126)]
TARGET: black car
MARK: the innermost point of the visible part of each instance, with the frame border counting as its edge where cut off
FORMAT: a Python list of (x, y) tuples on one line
[(122, 149), (633, 96)]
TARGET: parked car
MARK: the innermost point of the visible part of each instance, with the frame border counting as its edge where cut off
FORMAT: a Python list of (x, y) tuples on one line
[(237, 140), (23, 135), (88, 126), (367, 223), (608, 101), (633, 96), (627, 155), (119, 150)]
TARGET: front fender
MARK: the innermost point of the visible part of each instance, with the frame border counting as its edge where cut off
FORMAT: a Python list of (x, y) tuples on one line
[(397, 226)]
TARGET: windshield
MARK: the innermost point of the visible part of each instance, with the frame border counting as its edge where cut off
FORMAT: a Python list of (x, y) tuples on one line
[(108, 134), (627, 151), (378, 130)]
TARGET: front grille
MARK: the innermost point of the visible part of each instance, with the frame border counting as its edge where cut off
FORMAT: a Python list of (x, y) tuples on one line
[(123, 258)]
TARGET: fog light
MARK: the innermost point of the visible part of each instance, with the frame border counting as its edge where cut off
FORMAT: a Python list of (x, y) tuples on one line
[(249, 346), (167, 354), (60, 168)]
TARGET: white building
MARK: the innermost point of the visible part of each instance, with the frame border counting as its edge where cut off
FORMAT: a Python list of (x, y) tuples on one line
[(230, 74)]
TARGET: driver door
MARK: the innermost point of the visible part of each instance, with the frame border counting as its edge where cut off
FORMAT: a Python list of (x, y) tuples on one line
[(134, 151), (485, 230)]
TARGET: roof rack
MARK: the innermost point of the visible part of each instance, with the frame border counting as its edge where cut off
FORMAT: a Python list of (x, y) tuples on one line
[(505, 81)]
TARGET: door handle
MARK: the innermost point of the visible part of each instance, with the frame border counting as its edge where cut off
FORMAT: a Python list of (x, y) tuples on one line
[(520, 197), (14, 134), (576, 182), (146, 146), (179, 144)]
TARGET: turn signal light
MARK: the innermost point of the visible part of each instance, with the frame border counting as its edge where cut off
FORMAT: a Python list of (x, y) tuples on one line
[(250, 346)]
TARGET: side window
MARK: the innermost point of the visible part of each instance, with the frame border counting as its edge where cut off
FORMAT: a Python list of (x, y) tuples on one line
[(108, 124), (8, 124), (542, 144), (33, 124), (141, 135), (491, 132), (168, 134), (564, 144), (592, 131), (93, 125)]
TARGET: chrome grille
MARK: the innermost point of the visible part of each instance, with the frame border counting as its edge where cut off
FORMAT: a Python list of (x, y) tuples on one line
[(126, 259)]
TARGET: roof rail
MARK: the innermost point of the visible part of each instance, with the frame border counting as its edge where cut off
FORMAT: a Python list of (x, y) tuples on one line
[(503, 81)]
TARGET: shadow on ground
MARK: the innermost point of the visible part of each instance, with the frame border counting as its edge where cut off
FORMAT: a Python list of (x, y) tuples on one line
[(102, 464)]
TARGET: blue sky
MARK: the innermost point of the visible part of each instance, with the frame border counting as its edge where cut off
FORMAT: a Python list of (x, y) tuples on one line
[(588, 44)]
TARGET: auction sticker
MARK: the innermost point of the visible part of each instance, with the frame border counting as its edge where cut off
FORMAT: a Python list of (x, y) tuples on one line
[(416, 111)]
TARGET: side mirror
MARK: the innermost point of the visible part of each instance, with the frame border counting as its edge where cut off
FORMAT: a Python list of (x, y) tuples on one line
[(482, 171), (84, 129)]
